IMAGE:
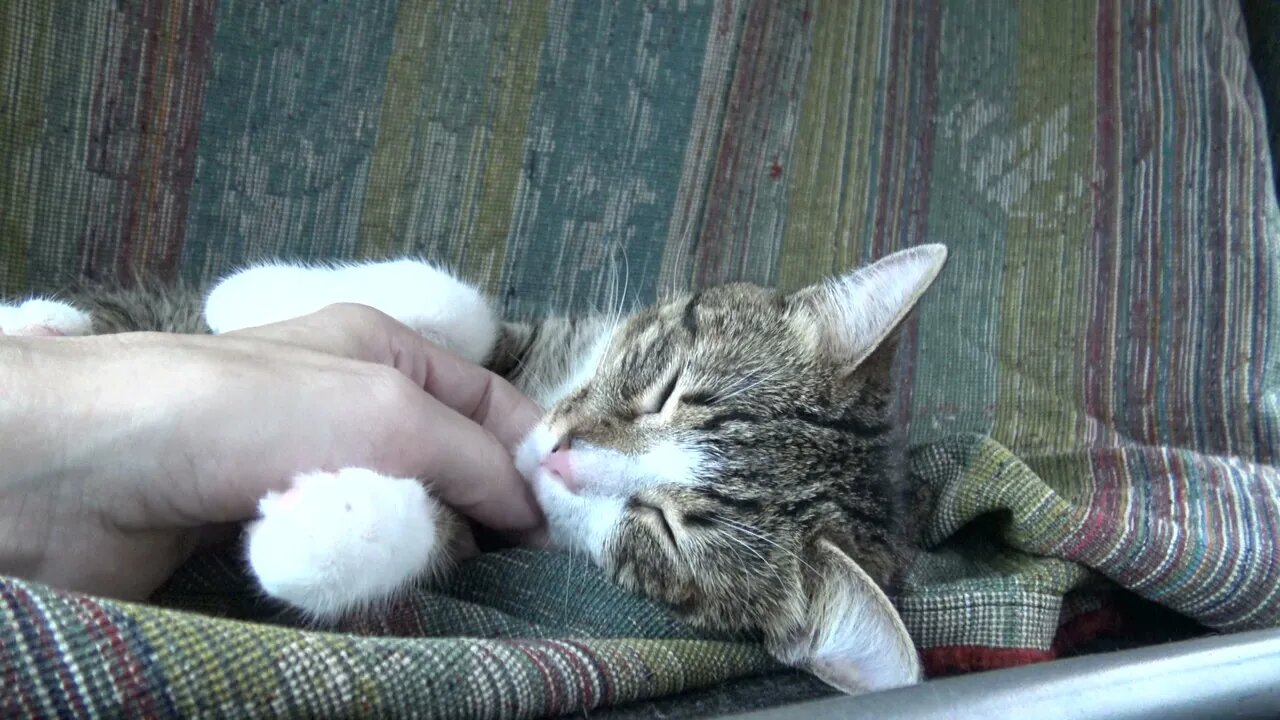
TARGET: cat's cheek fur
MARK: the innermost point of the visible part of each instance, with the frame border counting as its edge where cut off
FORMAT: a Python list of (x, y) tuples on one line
[(606, 472), (437, 305), (340, 541), (44, 317), (583, 369)]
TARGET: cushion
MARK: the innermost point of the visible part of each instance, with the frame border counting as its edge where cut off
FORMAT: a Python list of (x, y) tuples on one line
[(1092, 385)]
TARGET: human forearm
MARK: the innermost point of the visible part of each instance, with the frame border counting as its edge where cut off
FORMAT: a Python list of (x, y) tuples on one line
[(119, 453), (34, 457), (81, 432)]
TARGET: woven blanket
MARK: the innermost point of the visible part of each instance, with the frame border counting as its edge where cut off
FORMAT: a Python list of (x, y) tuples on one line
[(1093, 386)]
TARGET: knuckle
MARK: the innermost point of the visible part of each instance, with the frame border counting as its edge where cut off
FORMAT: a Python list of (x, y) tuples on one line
[(396, 418), (354, 314), (390, 389)]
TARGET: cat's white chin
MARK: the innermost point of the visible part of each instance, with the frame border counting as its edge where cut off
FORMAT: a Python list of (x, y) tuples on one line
[(577, 523)]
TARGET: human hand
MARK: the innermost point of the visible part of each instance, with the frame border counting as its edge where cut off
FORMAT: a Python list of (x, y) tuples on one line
[(124, 452)]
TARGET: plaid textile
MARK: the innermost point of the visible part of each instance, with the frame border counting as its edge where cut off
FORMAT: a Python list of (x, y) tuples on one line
[(1093, 386)]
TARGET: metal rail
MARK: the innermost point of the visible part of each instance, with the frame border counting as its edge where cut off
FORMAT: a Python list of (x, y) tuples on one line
[(1224, 676)]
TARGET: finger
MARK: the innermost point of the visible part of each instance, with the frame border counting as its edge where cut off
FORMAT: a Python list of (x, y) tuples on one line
[(345, 330), (538, 537), (476, 394), (363, 333), (474, 418), (465, 465)]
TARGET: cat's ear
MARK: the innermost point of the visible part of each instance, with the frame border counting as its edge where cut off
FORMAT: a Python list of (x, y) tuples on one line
[(852, 638), (851, 315)]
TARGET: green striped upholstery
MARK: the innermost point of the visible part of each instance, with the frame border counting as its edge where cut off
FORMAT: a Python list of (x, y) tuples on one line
[(1093, 387)]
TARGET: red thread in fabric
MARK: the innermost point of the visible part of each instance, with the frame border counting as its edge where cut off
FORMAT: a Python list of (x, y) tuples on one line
[(961, 659)]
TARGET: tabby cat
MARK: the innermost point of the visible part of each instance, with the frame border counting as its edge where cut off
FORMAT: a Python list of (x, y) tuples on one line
[(732, 452)]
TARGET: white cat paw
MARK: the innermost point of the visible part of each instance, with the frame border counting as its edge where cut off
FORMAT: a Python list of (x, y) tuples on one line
[(41, 317), (439, 306), (341, 541)]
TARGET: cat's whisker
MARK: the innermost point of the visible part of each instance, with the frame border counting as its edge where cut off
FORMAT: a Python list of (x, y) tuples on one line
[(755, 377), (758, 381), (740, 543), (617, 313), (626, 280), (754, 532), (521, 369), (608, 305)]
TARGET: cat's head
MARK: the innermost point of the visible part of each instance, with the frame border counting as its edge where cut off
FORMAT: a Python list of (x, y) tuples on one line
[(734, 455)]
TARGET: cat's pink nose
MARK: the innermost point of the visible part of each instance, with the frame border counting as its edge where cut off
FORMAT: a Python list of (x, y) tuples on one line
[(558, 463)]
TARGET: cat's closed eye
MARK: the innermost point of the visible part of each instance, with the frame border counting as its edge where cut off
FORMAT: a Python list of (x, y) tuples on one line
[(699, 398), (658, 516), (663, 402)]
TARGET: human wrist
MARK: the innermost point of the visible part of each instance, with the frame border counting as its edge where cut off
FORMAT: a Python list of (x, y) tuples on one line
[(69, 428), (28, 413), (29, 430)]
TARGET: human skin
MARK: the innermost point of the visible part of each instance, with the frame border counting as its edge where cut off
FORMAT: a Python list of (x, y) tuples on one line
[(122, 454)]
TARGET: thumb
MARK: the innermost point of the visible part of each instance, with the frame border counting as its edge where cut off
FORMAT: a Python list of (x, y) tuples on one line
[(465, 464)]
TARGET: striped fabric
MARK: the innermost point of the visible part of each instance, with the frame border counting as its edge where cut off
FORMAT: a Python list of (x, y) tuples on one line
[(1093, 387)]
